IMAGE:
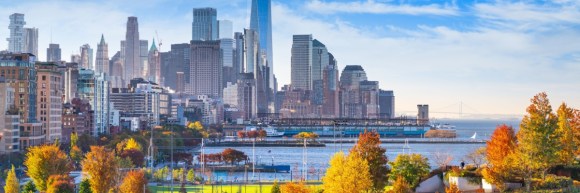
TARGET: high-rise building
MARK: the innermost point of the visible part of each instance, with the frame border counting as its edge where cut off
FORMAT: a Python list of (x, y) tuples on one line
[(204, 25), (369, 99), (116, 71), (16, 39), (94, 87), (301, 62), (132, 56), (9, 143), (238, 62), (53, 53), (386, 104), (19, 70), (225, 29), (31, 41), (205, 69), (165, 63), (350, 97), (143, 100), (247, 96), (102, 59), (154, 64), (261, 22), (251, 51), (227, 54), (49, 99), (319, 59), (75, 58), (180, 87), (330, 107), (179, 57), (231, 95), (71, 75), (86, 57), (144, 56)]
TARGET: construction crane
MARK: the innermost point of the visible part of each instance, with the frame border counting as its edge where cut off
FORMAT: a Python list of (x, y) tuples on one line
[(160, 43)]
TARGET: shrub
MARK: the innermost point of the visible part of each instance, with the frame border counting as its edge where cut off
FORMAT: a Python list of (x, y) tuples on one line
[(552, 182)]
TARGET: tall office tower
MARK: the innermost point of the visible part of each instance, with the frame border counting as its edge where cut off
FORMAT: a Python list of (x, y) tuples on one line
[(31, 41), (369, 99), (319, 59), (116, 71), (205, 69), (154, 62), (16, 39), (102, 60), (386, 104), (75, 58), (227, 53), (261, 22), (247, 96), (19, 70), (86, 57), (225, 29), (251, 51), (53, 53), (351, 82), (179, 62), (49, 99), (164, 63), (131, 46), (144, 56), (331, 88), (301, 62), (238, 61), (94, 87), (71, 76), (204, 25), (180, 87), (9, 143)]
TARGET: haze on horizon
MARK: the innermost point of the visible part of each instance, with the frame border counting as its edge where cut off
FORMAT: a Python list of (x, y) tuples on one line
[(491, 56)]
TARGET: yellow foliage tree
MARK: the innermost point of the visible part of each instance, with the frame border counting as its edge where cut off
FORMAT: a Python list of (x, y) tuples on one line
[(295, 188), (101, 166), (565, 130), (347, 174), (400, 186), (452, 188), (12, 185), (132, 144), (133, 182), (44, 161)]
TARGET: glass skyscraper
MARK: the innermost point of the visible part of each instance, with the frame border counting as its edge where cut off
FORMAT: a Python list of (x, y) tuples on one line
[(204, 25), (261, 22)]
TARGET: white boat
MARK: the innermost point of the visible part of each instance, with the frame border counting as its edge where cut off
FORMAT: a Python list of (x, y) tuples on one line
[(271, 132), (474, 135), (445, 126)]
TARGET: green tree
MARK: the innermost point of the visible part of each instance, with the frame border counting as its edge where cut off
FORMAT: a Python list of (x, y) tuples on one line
[(74, 138), (29, 187), (44, 161), (12, 184), (275, 187), (412, 167), (538, 141), (85, 186), (368, 147)]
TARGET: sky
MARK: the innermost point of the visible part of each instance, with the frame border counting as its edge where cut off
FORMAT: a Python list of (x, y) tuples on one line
[(484, 58)]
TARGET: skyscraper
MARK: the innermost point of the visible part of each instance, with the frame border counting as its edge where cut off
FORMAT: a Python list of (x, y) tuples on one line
[(319, 59), (204, 25), (102, 61), (301, 62), (251, 51), (53, 53), (144, 57), (179, 62), (227, 53), (261, 22), (238, 62), (154, 64), (116, 71), (132, 64), (31, 41), (386, 104), (205, 69), (94, 87), (49, 99), (331, 89), (16, 39), (86, 57), (225, 29)]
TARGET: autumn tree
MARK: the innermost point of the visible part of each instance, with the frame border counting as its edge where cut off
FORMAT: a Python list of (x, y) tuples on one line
[(133, 182), (347, 174), (501, 146), (538, 141), (294, 188), (368, 147), (275, 187), (190, 176), (412, 167), (102, 168), (132, 144), (12, 184), (400, 186), (43, 161), (452, 188), (60, 184), (85, 186), (565, 131), (137, 158), (29, 187)]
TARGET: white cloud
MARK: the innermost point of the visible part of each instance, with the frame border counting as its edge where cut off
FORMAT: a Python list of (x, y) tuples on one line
[(529, 16), (370, 6)]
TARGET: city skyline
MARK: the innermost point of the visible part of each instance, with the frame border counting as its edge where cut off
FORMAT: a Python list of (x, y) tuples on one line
[(482, 54)]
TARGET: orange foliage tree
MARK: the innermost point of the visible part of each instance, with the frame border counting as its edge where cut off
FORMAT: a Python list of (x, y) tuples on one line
[(502, 144), (101, 166), (452, 188), (565, 131), (369, 149), (134, 181), (294, 188), (60, 184), (44, 161)]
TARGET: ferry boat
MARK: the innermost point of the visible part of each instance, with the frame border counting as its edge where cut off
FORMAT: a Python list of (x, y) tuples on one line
[(272, 132)]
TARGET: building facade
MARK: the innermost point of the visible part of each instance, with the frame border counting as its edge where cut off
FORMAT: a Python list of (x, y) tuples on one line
[(53, 53), (154, 61), (204, 25), (301, 62), (94, 87), (102, 59), (10, 140), (49, 99), (31, 41), (205, 69), (16, 39), (86, 57), (131, 51), (261, 22)]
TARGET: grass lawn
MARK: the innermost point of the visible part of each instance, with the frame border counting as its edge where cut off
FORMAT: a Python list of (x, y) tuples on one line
[(219, 188)]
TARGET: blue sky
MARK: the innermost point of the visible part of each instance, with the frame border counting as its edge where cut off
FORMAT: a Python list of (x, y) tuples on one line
[(491, 55)]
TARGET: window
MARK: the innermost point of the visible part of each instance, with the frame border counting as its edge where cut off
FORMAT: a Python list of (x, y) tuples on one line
[(43, 77)]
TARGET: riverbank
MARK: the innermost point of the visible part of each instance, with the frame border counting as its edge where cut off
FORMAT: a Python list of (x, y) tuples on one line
[(264, 144)]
